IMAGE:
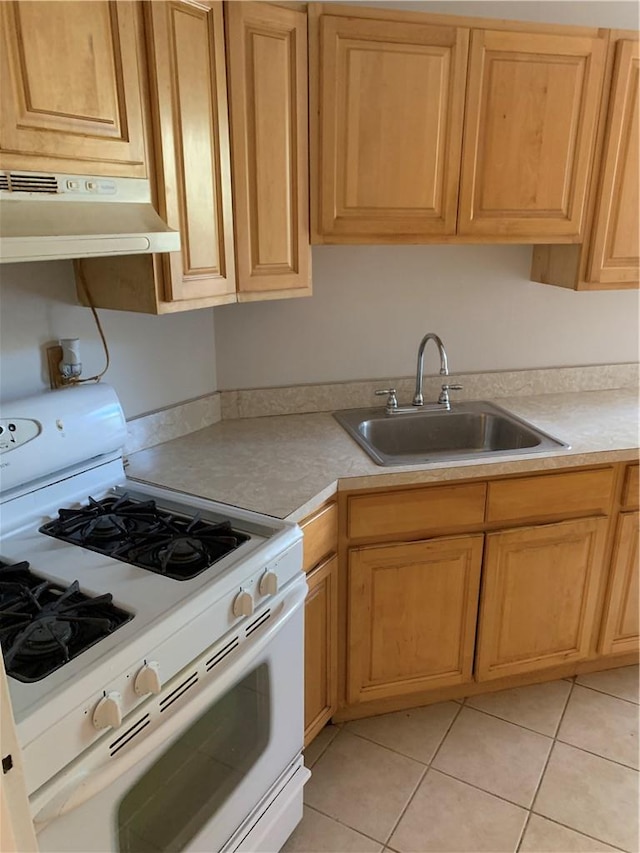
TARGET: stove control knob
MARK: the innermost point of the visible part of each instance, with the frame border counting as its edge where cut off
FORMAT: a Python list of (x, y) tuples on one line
[(148, 679), (243, 604), (108, 711), (268, 583)]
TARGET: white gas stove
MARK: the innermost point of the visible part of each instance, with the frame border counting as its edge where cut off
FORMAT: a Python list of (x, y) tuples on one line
[(143, 583)]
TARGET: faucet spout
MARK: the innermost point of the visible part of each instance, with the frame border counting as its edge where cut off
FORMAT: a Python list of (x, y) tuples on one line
[(418, 399)]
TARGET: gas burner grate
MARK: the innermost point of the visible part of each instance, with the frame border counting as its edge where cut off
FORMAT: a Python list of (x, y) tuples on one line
[(143, 535), (43, 625)]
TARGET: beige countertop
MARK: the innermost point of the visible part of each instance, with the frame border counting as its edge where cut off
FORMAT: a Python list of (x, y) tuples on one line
[(287, 465)]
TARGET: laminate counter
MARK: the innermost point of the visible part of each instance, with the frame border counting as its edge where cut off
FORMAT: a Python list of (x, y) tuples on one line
[(287, 465)]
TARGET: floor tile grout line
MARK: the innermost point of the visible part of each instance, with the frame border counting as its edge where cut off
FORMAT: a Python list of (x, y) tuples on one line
[(478, 788), (322, 752), (519, 725), (342, 823), (422, 778), (524, 831), (554, 741), (578, 831), (604, 693), (597, 755)]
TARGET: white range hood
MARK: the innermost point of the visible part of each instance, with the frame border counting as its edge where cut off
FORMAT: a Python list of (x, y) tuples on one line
[(46, 217)]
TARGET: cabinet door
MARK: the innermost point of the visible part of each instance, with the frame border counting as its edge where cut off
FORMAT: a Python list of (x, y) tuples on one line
[(412, 616), (390, 128), (320, 648), (621, 631), (70, 97), (267, 62), (530, 123), (189, 99), (539, 595), (615, 252)]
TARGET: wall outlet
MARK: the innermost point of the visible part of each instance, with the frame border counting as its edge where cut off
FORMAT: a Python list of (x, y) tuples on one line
[(54, 357)]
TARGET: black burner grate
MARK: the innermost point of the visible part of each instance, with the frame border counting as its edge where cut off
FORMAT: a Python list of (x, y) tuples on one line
[(140, 533), (43, 625)]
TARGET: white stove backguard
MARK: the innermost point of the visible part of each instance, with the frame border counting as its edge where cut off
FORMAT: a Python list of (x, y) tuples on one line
[(48, 433)]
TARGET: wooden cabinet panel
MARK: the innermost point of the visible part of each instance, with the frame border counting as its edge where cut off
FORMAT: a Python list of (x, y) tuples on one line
[(412, 616), (621, 630), (391, 107), (186, 55), (615, 250), (267, 61), (631, 487), (320, 536), (321, 648), (415, 511), (550, 496), (539, 595), (530, 125), (71, 93)]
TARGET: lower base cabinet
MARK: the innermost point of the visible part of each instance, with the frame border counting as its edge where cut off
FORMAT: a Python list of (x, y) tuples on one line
[(321, 648), (621, 629), (412, 616), (539, 596)]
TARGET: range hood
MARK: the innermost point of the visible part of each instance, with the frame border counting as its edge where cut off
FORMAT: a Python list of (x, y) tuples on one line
[(45, 217)]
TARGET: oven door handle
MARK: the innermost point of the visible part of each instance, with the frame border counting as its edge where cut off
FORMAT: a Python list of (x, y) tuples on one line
[(90, 774)]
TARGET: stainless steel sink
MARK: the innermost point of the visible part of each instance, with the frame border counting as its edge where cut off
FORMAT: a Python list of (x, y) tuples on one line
[(468, 430)]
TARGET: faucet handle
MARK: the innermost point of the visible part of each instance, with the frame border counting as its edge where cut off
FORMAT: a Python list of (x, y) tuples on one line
[(392, 400), (443, 399)]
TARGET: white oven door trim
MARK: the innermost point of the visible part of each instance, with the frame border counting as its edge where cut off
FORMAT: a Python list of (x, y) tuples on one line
[(94, 771)]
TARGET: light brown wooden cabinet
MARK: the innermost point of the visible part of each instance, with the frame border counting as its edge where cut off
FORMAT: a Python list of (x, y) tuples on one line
[(320, 562), (621, 629), (267, 64), (260, 249), (539, 595), (411, 616), (71, 96), (390, 127), (610, 256), (388, 92), (532, 106)]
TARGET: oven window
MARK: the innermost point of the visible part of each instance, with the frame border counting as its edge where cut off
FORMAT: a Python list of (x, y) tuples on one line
[(183, 790)]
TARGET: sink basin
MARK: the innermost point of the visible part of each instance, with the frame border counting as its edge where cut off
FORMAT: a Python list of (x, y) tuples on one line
[(469, 430)]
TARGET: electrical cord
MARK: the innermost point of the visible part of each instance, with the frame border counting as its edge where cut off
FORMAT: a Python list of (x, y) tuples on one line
[(105, 346)]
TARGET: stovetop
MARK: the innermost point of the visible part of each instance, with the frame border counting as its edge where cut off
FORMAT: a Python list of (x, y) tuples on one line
[(43, 625), (141, 533)]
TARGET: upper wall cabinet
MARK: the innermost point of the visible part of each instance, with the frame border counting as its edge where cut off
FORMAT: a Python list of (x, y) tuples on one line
[(396, 92), (71, 88), (610, 255), (267, 63), (390, 127), (532, 106), (196, 168)]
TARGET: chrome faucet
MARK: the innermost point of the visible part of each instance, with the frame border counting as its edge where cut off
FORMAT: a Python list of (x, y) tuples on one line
[(418, 399), (392, 407)]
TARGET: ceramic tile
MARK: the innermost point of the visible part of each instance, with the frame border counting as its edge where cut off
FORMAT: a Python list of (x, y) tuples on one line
[(317, 833), (545, 836), (602, 724), (623, 682), (362, 785), (538, 706), (448, 815), (416, 732), (496, 756), (318, 745), (591, 795)]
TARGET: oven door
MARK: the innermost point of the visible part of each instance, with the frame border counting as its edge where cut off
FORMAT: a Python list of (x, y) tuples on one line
[(207, 759)]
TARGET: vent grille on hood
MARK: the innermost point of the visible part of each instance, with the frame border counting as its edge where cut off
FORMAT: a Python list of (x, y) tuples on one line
[(30, 183)]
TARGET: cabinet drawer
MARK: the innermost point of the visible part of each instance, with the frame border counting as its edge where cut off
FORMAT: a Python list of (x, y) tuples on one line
[(550, 496), (420, 511), (320, 536), (630, 489)]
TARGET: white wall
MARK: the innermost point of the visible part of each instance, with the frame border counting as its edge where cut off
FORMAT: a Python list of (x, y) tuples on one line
[(155, 361), (371, 305)]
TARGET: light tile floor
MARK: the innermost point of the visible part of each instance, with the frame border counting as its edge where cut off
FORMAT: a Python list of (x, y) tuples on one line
[(551, 768)]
